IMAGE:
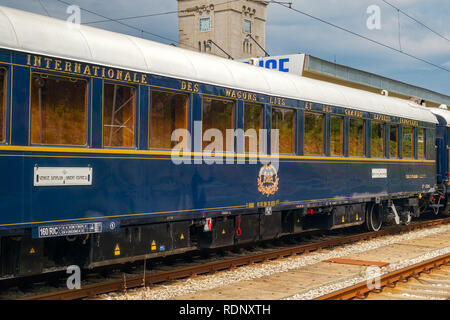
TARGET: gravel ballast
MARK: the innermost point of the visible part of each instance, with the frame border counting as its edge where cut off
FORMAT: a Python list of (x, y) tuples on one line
[(206, 282)]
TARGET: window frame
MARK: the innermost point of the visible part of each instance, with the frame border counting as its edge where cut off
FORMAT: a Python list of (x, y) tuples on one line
[(251, 26), (294, 129), (417, 129), (136, 113), (413, 140), (5, 102), (88, 106), (261, 125), (200, 24), (233, 118), (397, 127), (383, 138), (342, 118), (150, 108), (323, 132), (363, 137)]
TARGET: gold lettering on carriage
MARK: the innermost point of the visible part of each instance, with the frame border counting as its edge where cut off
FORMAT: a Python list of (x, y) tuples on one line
[(241, 95), (353, 113), (382, 117), (189, 86), (409, 122), (277, 101), (85, 69), (327, 109)]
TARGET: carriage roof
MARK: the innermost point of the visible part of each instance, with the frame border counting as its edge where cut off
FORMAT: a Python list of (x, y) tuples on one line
[(28, 32), (443, 112)]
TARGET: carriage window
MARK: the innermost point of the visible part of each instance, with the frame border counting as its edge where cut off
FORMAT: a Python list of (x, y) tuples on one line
[(356, 138), (2, 105), (58, 110), (408, 143), (336, 142), (421, 143), (430, 144), (168, 113), (393, 141), (284, 120), (217, 114), (118, 115), (252, 120), (377, 140), (313, 137)]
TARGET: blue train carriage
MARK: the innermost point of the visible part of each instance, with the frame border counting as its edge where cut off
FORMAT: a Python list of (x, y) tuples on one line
[(441, 203), (90, 178)]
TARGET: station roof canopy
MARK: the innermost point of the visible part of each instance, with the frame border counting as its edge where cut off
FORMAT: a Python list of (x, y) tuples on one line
[(330, 71)]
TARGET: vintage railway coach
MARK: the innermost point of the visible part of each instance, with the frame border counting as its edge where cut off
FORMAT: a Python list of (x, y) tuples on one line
[(441, 203), (87, 124)]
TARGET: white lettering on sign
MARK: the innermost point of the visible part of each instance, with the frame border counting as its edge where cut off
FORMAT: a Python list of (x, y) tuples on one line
[(289, 63), (53, 176), (379, 173)]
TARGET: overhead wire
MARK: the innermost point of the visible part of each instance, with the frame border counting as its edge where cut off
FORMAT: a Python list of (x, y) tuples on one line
[(362, 36), (417, 21), (141, 30), (134, 17), (44, 8), (154, 14)]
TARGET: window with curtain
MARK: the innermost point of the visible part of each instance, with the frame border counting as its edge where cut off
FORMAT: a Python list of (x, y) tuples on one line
[(356, 138), (283, 119), (58, 110), (168, 113)]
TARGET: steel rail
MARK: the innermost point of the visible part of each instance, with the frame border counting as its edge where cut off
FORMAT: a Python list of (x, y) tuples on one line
[(361, 290), (92, 290)]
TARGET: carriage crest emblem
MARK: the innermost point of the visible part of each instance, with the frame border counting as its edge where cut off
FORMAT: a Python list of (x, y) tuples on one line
[(268, 180)]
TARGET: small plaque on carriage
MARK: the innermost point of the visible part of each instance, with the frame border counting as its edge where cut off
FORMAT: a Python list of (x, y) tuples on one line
[(62, 176), (68, 230), (379, 173)]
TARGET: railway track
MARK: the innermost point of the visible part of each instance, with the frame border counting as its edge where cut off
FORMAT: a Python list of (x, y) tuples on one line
[(147, 279), (399, 280)]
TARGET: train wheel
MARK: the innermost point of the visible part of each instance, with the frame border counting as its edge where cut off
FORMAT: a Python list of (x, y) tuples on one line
[(374, 217)]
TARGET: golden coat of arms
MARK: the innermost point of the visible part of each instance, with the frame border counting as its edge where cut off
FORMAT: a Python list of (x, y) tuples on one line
[(268, 180)]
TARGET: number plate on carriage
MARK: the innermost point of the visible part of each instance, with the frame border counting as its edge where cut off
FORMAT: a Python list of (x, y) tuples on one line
[(74, 229), (69, 229)]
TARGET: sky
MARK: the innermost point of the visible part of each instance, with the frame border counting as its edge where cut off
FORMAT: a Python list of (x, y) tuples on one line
[(289, 32)]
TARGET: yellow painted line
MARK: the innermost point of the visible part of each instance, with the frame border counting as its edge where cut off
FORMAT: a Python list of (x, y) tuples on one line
[(80, 157), (166, 158), (195, 154)]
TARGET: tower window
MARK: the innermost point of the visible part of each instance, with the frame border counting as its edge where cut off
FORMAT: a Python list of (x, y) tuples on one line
[(247, 26), (205, 24)]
